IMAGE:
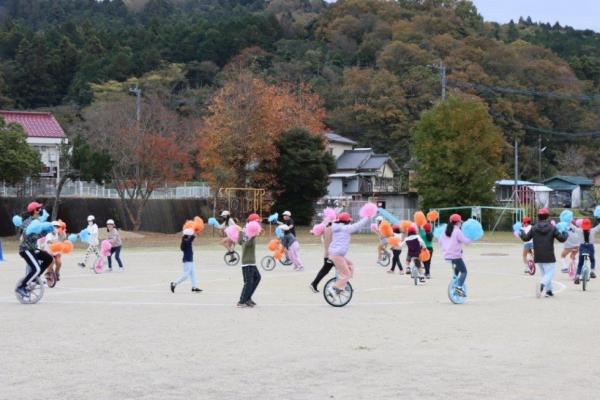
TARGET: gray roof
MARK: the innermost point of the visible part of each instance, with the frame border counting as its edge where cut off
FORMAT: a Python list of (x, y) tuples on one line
[(573, 180), (353, 159), (333, 137), (376, 161)]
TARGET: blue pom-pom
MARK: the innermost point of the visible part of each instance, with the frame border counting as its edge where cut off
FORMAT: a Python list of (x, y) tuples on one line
[(72, 238), (84, 235), (472, 229), (517, 227), (46, 227), (273, 218), (439, 230), (17, 221), (34, 228), (212, 221), (388, 216), (597, 212), (44, 217), (278, 232), (562, 226), (566, 216)]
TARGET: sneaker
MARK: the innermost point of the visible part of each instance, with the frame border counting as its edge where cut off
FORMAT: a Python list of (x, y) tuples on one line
[(422, 279), (526, 270), (251, 303), (390, 271), (577, 280), (564, 270), (408, 270), (593, 274), (401, 272), (196, 290), (332, 291), (121, 269), (22, 292), (173, 285), (82, 265), (539, 291), (242, 305), (549, 293), (427, 276), (108, 269), (460, 291), (313, 288), (300, 269)]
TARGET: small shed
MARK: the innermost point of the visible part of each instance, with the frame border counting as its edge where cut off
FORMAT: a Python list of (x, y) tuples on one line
[(570, 191)]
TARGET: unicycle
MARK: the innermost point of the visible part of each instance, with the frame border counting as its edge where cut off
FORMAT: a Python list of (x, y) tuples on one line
[(453, 295), (337, 298), (285, 260), (35, 291), (385, 259), (530, 264), (50, 279), (99, 265), (585, 271), (268, 263), (232, 258)]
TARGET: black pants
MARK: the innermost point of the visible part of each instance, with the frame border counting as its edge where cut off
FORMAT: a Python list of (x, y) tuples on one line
[(323, 272), (37, 262), (396, 259), (251, 281), (428, 263)]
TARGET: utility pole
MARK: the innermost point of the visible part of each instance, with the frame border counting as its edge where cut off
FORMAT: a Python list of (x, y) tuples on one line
[(516, 173), (443, 76), (540, 158), (138, 101)]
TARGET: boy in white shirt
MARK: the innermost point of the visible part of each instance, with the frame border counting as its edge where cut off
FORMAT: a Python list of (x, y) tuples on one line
[(93, 243)]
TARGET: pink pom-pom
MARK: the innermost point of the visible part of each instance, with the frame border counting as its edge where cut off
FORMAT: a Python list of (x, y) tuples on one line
[(329, 214), (553, 222), (579, 222), (374, 228), (369, 210), (105, 248), (253, 228), (232, 233), (318, 229)]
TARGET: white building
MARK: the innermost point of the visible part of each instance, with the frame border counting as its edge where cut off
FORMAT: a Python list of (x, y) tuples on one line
[(337, 144), (44, 133)]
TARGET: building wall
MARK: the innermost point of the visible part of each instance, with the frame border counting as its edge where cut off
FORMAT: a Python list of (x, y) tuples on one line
[(386, 171), (351, 185), (336, 149), (49, 150), (576, 197), (335, 188)]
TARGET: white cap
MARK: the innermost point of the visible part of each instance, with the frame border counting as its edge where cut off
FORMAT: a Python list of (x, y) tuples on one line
[(287, 214), (225, 213), (379, 219), (110, 222), (284, 227), (188, 232), (91, 218)]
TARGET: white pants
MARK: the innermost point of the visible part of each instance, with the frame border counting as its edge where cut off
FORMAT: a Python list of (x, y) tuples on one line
[(547, 272), (189, 271)]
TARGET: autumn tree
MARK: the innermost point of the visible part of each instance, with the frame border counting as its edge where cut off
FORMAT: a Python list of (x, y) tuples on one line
[(246, 118), (459, 152), (145, 154)]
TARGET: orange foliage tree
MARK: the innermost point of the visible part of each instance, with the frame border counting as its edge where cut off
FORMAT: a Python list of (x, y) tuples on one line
[(238, 141)]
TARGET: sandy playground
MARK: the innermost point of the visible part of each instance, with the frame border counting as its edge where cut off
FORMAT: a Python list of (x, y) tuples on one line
[(126, 336)]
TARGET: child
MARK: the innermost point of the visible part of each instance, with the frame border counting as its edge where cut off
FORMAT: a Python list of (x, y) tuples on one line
[(327, 263), (189, 269), (93, 242), (115, 241), (452, 241), (527, 246), (587, 247), (249, 271), (340, 244), (382, 239), (292, 247), (571, 246), (287, 220), (226, 221), (56, 236), (397, 250), (543, 234), (29, 251), (414, 244), (427, 237)]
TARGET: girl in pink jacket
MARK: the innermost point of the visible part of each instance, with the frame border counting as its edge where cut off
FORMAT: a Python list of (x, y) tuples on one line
[(452, 242)]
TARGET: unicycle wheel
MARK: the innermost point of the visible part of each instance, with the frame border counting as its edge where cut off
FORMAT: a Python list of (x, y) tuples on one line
[(531, 267), (232, 258), (50, 279), (268, 263), (453, 295), (585, 277), (35, 292), (337, 299), (385, 259)]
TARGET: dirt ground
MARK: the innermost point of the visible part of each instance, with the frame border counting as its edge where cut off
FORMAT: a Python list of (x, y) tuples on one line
[(126, 336)]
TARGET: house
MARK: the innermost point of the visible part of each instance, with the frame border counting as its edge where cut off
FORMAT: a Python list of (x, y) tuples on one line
[(571, 191), (337, 144), (44, 133), (529, 193)]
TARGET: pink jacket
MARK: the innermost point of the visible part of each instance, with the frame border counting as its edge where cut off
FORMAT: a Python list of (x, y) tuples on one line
[(452, 246)]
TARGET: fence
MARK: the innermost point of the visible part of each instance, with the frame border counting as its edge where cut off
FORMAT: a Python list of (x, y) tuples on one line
[(47, 188)]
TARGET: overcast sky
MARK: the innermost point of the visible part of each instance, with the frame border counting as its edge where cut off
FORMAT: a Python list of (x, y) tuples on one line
[(580, 14)]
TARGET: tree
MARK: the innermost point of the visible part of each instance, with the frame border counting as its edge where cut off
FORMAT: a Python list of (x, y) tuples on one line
[(302, 172), (145, 155), (459, 152), (79, 162), (18, 160), (245, 122)]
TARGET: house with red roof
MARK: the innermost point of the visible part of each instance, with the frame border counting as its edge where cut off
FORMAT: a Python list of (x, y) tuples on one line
[(43, 133)]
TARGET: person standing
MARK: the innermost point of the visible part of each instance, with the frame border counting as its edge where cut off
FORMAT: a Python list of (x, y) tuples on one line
[(93, 242), (115, 241), (291, 245), (249, 271), (189, 268)]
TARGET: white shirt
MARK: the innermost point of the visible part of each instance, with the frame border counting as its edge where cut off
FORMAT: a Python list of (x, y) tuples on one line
[(93, 230)]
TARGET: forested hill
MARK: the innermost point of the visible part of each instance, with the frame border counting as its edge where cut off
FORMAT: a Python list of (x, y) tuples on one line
[(372, 61)]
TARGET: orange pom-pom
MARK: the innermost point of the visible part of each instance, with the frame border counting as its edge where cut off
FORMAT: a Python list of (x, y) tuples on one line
[(278, 255), (425, 255), (420, 218), (198, 224), (273, 244), (56, 247), (395, 241), (405, 225), (188, 225), (386, 229), (67, 246), (433, 216)]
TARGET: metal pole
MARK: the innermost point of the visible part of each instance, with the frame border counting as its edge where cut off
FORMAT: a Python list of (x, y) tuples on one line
[(540, 158), (444, 80), (516, 173)]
